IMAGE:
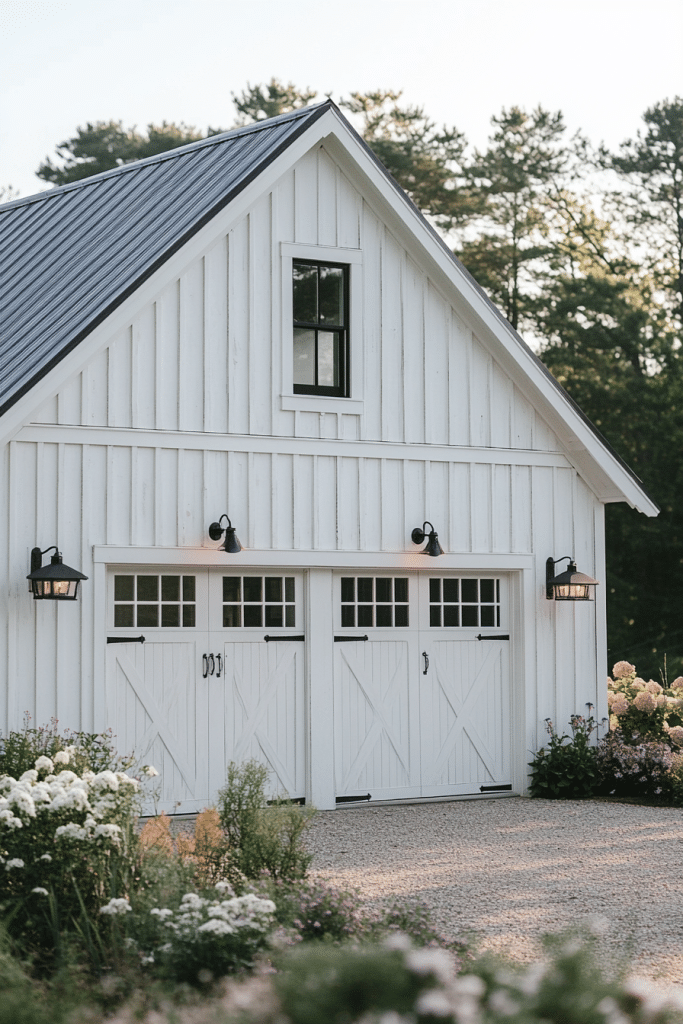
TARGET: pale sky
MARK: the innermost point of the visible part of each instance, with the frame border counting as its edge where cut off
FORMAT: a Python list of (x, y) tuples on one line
[(66, 62)]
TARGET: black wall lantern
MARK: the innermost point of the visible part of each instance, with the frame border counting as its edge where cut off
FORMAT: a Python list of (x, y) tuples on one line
[(53, 582), (231, 543), (569, 585), (433, 547)]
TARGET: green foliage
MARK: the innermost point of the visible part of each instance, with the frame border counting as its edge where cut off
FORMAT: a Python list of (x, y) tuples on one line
[(95, 752), (258, 102), (263, 838), (426, 160), (566, 767), (103, 145), (338, 985)]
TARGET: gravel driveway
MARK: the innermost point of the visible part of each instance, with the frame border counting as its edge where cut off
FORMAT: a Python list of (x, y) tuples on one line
[(509, 870)]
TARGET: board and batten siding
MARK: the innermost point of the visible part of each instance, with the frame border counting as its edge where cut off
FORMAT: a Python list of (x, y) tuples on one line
[(179, 418)]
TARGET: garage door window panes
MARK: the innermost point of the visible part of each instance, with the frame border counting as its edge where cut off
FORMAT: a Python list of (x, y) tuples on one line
[(374, 601), (458, 602), (257, 601), (149, 600)]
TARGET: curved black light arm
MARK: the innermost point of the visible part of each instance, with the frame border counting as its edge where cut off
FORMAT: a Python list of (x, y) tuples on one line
[(418, 536)]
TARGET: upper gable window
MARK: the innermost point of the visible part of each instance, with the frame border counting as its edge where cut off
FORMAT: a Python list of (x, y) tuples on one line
[(321, 334)]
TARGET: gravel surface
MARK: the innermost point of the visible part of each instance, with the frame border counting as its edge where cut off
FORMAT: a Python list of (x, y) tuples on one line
[(506, 871)]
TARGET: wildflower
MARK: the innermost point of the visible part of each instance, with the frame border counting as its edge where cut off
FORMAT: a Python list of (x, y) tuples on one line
[(433, 1003), (44, 764), (677, 683), (430, 961), (116, 907), (39, 889), (15, 862), (150, 771), (45, 856), (653, 687), (676, 734), (62, 757)]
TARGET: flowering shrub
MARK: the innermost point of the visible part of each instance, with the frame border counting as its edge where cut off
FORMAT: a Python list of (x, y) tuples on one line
[(82, 750), (644, 710), (566, 769), (396, 983), (205, 939), (644, 770), (60, 833)]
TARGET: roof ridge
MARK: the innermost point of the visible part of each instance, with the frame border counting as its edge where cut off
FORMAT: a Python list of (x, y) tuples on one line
[(170, 154)]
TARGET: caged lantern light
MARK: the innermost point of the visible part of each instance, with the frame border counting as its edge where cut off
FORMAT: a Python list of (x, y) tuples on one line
[(570, 585), (231, 544), (53, 582), (433, 547)]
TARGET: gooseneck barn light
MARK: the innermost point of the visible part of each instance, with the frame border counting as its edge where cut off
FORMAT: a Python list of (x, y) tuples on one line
[(53, 582), (231, 544), (433, 547), (570, 585)]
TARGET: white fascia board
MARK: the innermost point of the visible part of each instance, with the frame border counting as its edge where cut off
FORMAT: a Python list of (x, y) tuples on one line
[(606, 475), (408, 561), (74, 361)]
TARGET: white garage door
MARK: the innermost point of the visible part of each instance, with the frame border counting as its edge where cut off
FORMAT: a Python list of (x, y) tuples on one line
[(422, 686), (218, 677)]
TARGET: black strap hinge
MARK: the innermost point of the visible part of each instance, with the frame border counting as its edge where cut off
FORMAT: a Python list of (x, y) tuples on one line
[(352, 799), (350, 640), (494, 789), (283, 638), (497, 636), (125, 639)]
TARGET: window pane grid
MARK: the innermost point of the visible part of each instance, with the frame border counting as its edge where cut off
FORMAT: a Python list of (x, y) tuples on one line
[(150, 600), (464, 603), (258, 601), (375, 602), (320, 302)]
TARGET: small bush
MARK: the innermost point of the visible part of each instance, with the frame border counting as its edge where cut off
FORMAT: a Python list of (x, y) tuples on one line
[(205, 853), (645, 770), (566, 767), (88, 751), (262, 838)]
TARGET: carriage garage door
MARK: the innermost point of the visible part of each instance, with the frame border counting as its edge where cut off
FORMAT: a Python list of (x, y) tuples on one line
[(422, 685), (204, 668)]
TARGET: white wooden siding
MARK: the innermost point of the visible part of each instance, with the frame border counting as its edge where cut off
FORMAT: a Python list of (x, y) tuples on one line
[(205, 355)]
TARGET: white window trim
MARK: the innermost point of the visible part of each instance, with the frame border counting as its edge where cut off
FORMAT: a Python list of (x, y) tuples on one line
[(353, 258)]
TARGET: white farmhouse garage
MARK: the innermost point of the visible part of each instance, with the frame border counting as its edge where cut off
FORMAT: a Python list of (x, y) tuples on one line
[(261, 331)]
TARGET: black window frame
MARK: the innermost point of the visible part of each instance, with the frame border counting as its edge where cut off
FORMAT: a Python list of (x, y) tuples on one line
[(343, 389)]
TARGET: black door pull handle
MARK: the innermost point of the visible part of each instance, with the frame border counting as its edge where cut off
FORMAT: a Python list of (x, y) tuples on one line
[(219, 659), (212, 664), (426, 658), (205, 666)]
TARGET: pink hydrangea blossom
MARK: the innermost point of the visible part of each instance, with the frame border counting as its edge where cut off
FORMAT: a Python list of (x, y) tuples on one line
[(644, 701), (676, 734), (677, 683), (619, 704), (623, 669), (653, 687)]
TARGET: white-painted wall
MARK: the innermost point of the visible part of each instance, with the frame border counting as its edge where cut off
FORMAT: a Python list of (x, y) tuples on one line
[(184, 414)]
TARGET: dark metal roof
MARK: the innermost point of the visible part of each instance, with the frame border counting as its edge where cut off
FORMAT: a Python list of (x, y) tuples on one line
[(70, 255)]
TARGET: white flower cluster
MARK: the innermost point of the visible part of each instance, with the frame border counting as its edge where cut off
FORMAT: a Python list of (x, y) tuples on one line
[(197, 917), (95, 795), (116, 908), (466, 999)]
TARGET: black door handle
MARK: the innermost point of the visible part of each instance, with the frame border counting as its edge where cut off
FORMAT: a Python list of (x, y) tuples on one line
[(219, 659), (212, 664), (205, 666), (426, 658)]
